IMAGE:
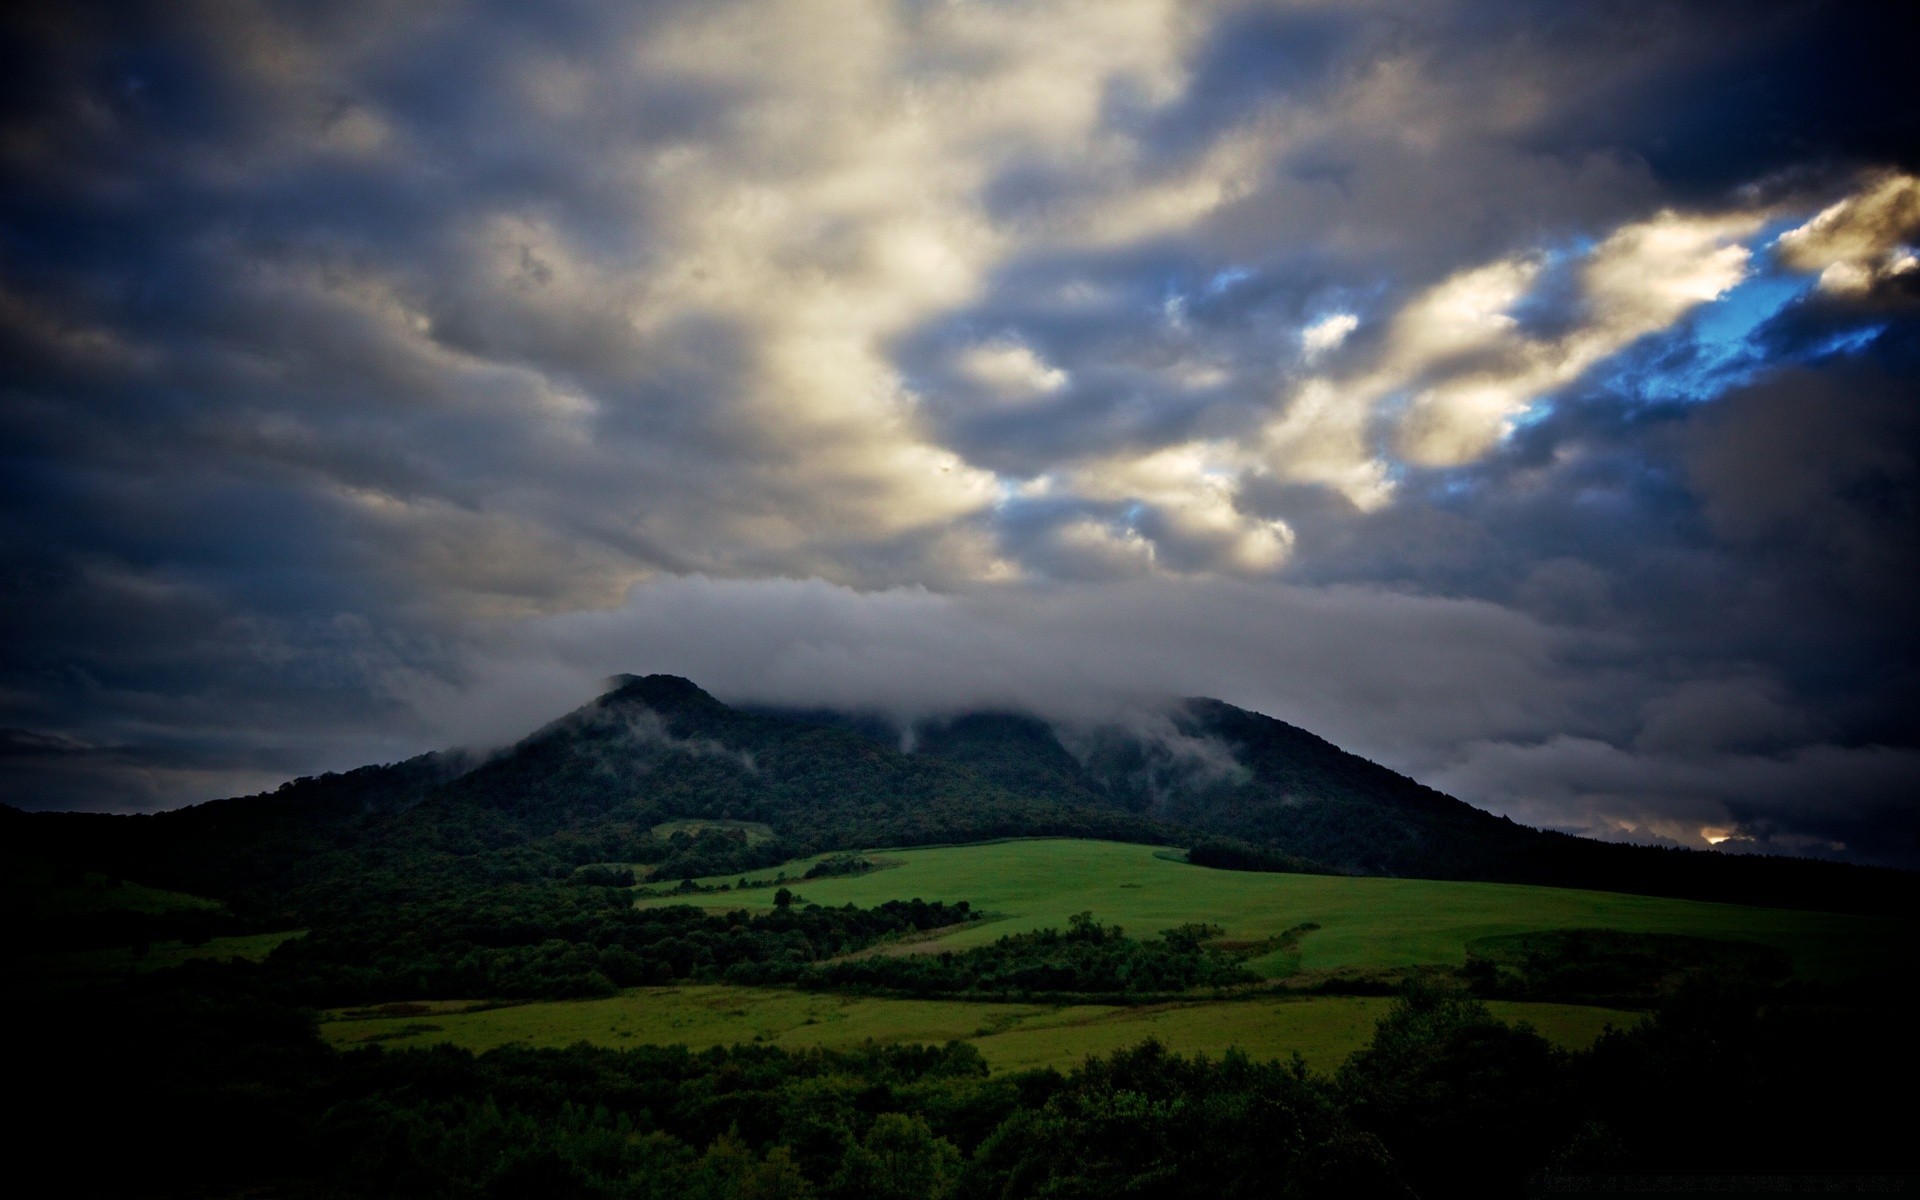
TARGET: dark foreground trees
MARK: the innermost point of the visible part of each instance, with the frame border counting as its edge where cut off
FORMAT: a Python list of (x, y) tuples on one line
[(198, 1081)]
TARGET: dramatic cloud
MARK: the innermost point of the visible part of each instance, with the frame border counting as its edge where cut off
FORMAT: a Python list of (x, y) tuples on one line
[(1862, 240), (1521, 393)]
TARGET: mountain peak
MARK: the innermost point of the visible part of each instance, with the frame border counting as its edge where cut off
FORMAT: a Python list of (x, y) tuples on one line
[(659, 692)]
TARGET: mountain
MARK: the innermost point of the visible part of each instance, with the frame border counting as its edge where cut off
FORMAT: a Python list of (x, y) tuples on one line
[(1239, 788), (1206, 767), (587, 788)]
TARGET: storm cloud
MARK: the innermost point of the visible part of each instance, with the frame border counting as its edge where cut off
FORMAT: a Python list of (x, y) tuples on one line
[(1522, 396)]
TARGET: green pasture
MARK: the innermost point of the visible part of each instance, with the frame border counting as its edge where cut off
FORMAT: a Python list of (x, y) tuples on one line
[(119, 960), (756, 831), (35, 890), (1364, 922), (1322, 1029)]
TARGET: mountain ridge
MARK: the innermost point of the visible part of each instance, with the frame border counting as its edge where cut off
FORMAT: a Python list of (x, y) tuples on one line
[(1312, 800), (591, 786)]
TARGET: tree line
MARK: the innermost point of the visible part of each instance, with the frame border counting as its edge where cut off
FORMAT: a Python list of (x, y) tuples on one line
[(1087, 958), (557, 943)]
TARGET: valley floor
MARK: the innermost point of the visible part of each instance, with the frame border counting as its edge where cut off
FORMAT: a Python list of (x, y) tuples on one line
[(1321, 1029), (1364, 922), (1359, 925)]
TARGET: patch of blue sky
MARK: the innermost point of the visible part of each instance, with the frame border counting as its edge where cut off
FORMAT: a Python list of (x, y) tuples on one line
[(1222, 280), (1533, 414), (1729, 322), (1559, 252), (1715, 350), (1851, 341), (1569, 249)]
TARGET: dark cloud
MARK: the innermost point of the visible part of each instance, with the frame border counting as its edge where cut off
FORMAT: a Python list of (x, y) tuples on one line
[(20, 743), (1435, 376), (1741, 91)]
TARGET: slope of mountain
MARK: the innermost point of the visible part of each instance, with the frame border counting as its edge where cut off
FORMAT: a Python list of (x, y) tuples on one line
[(587, 788), (659, 747), (591, 787), (1209, 766), (1212, 768)]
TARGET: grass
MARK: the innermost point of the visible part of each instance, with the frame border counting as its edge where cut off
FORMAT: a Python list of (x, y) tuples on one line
[(1027, 884), (1364, 922), (36, 891), (1322, 1029), (756, 831), (119, 960)]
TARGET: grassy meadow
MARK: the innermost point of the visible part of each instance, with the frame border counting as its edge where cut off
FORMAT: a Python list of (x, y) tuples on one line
[(1364, 922), (1322, 1029), (756, 831), (1028, 884), (118, 960), (35, 891)]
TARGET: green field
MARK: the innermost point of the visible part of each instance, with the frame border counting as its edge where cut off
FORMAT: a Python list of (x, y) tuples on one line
[(1364, 922), (1322, 1029), (756, 831), (118, 960), (35, 892)]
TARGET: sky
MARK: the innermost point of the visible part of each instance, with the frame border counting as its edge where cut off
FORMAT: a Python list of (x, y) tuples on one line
[(1523, 395)]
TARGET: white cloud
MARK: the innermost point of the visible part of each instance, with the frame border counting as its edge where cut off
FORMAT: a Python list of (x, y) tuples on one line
[(1403, 678), (1196, 495), (1011, 370), (1463, 364), (1860, 241), (1641, 280), (1467, 368), (1097, 549), (1326, 334), (705, 339)]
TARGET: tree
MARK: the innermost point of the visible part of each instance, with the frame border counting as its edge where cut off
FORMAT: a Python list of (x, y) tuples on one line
[(783, 898), (899, 1159), (1440, 1071), (778, 1178)]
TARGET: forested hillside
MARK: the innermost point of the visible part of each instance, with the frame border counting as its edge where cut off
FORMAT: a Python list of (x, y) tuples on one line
[(1250, 792), (1243, 790)]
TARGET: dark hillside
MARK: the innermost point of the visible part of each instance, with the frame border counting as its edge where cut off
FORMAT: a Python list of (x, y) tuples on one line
[(1239, 774), (244, 844), (587, 788), (592, 786), (659, 747), (1311, 798), (1017, 752)]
